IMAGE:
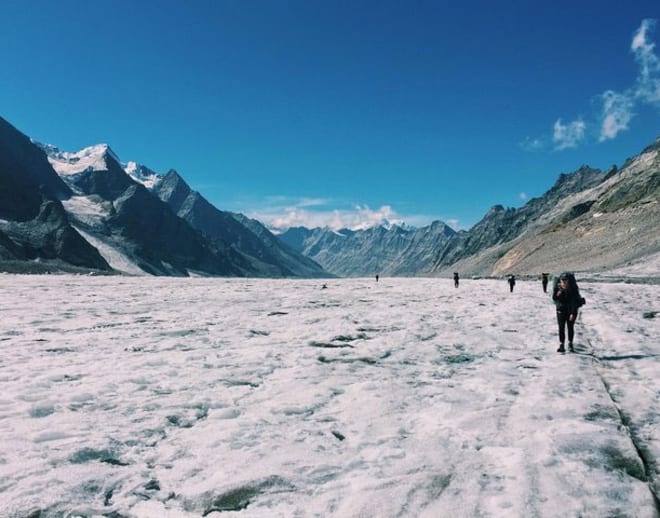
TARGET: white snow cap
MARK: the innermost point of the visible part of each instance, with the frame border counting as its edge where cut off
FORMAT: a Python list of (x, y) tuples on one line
[(90, 158), (94, 158), (142, 174)]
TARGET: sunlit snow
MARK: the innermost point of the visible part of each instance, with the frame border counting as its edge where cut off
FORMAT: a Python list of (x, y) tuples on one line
[(89, 209), (156, 397), (142, 175), (114, 256), (92, 158)]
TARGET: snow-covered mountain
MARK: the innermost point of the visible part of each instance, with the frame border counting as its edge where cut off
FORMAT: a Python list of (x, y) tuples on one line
[(260, 248), (177, 218), (64, 210), (34, 227), (136, 231), (89, 210), (391, 250), (142, 174)]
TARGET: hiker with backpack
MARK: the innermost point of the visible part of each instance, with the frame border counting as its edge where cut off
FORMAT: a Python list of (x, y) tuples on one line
[(567, 299)]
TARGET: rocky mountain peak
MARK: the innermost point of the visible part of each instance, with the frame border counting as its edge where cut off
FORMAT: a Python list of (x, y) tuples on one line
[(495, 210), (99, 157), (142, 174), (582, 178), (172, 189)]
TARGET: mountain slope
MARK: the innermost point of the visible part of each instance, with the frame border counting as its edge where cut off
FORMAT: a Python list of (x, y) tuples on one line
[(386, 251), (501, 225), (588, 220), (266, 255), (128, 220), (155, 224), (596, 225), (33, 222)]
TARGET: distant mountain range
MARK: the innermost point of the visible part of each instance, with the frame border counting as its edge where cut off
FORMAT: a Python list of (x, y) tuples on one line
[(88, 211), (378, 250), (589, 220)]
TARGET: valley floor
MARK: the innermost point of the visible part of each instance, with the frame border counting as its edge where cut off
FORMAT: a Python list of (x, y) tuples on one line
[(171, 397)]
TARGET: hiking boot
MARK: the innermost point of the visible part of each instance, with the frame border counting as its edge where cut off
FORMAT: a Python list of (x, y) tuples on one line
[(570, 347), (561, 349)]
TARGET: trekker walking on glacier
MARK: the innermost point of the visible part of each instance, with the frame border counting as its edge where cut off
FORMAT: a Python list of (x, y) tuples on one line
[(512, 282), (544, 282), (567, 299)]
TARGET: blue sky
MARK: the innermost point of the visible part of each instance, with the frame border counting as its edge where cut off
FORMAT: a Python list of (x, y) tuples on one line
[(340, 112)]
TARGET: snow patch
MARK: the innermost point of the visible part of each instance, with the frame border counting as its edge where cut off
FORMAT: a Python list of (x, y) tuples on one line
[(113, 256), (142, 174), (91, 158), (87, 208)]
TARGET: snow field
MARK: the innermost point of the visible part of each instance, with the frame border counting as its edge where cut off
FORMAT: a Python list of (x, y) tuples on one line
[(240, 397)]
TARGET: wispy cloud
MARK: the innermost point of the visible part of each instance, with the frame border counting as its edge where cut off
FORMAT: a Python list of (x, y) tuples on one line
[(523, 196), (280, 213), (617, 108), (568, 135), (356, 218), (454, 223), (532, 144), (647, 88), (288, 202), (617, 113)]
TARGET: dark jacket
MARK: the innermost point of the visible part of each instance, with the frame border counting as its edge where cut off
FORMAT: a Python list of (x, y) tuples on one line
[(569, 300)]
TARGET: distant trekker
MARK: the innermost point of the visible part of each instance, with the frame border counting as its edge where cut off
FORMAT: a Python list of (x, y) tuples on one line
[(544, 282), (567, 299), (512, 282), (456, 279), (376, 277)]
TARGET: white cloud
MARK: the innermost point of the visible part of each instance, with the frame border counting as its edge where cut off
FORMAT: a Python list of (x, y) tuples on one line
[(617, 113), (360, 217), (568, 135), (523, 196), (364, 217), (618, 108), (287, 201), (281, 212), (532, 144), (648, 83), (454, 223)]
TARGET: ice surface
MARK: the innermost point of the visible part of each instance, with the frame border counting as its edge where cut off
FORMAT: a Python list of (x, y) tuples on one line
[(161, 397)]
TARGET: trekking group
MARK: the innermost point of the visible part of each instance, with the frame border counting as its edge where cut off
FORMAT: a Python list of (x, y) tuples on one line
[(567, 299)]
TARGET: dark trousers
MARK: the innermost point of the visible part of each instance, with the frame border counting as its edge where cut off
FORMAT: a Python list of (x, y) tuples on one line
[(564, 322)]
